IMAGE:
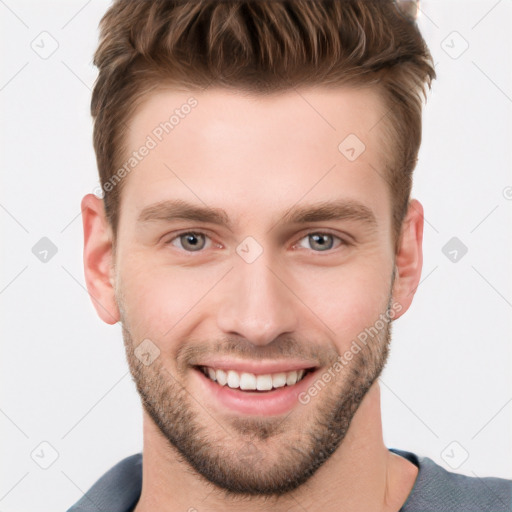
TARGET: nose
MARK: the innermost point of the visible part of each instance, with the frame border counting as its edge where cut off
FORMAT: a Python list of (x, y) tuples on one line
[(257, 302)]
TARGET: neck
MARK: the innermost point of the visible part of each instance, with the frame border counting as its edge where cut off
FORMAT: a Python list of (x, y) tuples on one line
[(361, 475)]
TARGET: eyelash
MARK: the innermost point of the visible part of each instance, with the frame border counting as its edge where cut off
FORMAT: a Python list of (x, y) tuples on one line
[(328, 251)]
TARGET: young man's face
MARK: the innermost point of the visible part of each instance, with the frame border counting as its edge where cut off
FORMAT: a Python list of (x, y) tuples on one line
[(260, 293)]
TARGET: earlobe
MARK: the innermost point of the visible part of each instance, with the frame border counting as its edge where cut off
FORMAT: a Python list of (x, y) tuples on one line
[(409, 257), (98, 264)]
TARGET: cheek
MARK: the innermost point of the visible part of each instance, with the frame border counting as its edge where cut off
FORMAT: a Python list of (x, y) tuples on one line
[(347, 300), (157, 301), (165, 302)]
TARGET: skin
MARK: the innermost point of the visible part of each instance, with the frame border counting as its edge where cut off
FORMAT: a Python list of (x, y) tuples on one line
[(256, 157)]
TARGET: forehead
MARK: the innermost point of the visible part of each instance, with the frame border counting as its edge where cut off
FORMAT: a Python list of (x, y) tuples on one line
[(221, 147), (309, 114)]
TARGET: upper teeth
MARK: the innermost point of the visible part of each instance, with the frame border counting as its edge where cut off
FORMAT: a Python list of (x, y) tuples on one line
[(248, 381)]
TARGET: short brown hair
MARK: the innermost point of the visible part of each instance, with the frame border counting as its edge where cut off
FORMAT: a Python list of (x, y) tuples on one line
[(260, 46)]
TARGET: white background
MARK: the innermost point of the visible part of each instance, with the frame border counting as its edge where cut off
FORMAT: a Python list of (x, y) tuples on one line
[(64, 379)]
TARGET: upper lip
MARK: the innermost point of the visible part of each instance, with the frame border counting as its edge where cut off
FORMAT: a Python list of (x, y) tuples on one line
[(258, 367)]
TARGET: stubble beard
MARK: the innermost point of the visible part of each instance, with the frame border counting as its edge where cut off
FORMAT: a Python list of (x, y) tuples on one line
[(244, 456)]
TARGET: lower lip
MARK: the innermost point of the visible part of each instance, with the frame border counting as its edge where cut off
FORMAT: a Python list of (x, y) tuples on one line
[(268, 403)]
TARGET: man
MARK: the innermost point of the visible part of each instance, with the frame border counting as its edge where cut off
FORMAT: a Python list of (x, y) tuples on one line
[(278, 139)]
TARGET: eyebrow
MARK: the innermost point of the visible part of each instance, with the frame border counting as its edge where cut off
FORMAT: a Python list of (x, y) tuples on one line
[(177, 209)]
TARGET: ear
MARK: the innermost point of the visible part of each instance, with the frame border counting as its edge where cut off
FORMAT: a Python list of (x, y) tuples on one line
[(98, 259), (409, 257)]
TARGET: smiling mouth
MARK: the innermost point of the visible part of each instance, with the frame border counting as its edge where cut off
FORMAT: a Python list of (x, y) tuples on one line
[(245, 381)]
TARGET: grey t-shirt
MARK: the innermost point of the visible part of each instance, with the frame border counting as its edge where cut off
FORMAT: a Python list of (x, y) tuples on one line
[(435, 489)]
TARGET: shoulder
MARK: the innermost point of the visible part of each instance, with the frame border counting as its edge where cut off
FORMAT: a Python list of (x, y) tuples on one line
[(439, 490), (118, 490)]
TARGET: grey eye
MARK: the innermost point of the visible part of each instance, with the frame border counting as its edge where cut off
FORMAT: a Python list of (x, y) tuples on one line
[(192, 241), (320, 242)]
